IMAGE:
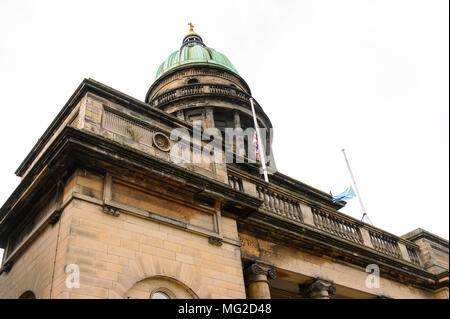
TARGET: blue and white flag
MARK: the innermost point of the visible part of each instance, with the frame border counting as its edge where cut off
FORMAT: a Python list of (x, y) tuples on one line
[(347, 194)]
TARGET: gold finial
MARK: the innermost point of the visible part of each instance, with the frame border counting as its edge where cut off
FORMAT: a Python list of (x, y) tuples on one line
[(191, 28)]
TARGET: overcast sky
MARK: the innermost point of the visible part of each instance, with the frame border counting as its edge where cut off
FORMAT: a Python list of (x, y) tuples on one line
[(368, 76)]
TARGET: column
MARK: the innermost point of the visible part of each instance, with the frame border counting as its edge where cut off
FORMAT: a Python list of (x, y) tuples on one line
[(318, 289), (257, 276), (180, 114), (239, 147), (209, 118), (237, 119)]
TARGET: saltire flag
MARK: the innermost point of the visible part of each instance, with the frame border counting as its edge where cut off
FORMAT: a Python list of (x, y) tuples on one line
[(256, 145), (347, 194)]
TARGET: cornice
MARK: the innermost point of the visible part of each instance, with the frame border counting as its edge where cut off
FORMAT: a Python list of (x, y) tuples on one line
[(90, 85), (420, 233), (75, 148), (286, 184), (194, 65), (304, 237)]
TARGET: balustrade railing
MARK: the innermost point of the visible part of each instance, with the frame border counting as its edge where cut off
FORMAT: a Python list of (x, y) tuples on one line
[(221, 89), (385, 244), (413, 256), (337, 226), (189, 90), (286, 206), (280, 204), (235, 182), (194, 89), (166, 97)]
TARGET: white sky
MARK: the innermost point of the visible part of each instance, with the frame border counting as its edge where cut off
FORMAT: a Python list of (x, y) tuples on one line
[(368, 76)]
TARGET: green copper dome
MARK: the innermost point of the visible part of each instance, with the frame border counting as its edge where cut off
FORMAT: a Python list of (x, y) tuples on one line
[(194, 51)]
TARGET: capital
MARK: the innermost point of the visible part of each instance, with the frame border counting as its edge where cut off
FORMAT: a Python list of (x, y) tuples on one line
[(318, 289), (260, 269)]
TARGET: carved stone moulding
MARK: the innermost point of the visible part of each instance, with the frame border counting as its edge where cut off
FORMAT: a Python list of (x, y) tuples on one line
[(318, 289), (259, 269), (161, 141), (216, 241), (108, 209), (6, 267)]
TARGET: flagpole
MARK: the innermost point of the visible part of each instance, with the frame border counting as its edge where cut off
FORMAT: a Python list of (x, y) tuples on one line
[(260, 142), (356, 187)]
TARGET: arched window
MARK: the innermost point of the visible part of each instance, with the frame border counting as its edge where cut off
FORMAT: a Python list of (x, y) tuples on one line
[(192, 81), (160, 287), (162, 292), (28, 295), (159, 295)]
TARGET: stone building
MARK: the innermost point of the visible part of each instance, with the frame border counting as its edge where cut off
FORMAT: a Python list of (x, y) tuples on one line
[(101, 200)]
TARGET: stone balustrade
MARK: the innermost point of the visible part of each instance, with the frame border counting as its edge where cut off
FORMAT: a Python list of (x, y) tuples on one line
[(235, 182), (345, 227), (191, 90), (279, 204), (385, 243), (337, 226), (413, 255), (195, 89)]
